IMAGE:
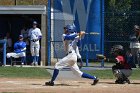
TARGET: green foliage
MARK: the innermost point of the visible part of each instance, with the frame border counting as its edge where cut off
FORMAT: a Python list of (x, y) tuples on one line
[(119, 5), (135, 74), (102, 74), (120, 18), (117, 14), (41, 73), (24, 72)]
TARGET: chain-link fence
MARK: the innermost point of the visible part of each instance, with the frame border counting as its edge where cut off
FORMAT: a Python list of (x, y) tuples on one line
[(120, 18)]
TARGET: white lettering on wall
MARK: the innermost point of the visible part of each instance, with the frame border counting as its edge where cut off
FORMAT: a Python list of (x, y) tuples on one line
[(85, 47), (78, 6)]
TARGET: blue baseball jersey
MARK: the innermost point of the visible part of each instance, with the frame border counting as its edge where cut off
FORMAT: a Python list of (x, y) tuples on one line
[(70, 41), (19, 47), (70, 36)]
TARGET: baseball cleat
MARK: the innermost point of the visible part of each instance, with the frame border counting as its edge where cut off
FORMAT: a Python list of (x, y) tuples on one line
[(95, 81), (49, 83), (127, 81), (118, 81)]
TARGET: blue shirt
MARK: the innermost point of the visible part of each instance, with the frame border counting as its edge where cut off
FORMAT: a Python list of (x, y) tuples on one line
[(19, 47), (72, 40), (69, 36)]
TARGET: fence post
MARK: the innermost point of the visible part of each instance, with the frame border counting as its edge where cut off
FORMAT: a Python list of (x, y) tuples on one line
[(4, 52), (102, 30), (49, 32)]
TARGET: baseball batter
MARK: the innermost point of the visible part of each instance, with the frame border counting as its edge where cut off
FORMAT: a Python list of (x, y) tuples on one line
[(79, 58), (19, 50), (70, 60), (35, 35)]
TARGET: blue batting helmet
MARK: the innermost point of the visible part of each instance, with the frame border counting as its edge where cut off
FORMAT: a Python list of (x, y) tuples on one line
[(70, 28)]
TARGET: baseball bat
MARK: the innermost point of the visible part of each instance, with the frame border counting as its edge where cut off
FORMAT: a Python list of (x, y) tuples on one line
[(92, 33)]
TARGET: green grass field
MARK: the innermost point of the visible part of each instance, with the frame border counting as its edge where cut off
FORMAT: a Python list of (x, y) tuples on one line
[(24, 72), (107, 74), (42, 73)]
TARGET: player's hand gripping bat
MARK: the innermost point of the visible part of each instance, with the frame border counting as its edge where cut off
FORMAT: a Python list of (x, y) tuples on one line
[(91, 33)]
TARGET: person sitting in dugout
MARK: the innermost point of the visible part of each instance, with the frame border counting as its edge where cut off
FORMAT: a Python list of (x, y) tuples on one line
[(19, 50), (122, 69)]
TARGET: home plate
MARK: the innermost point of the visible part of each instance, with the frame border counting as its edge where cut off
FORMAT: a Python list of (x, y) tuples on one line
[(104, 86)]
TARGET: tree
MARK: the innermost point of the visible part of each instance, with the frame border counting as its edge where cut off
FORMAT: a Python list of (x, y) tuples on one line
[(117, 17)]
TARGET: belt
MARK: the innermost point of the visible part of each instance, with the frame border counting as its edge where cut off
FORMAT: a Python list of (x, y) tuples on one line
[(34, 40), (69, 53)]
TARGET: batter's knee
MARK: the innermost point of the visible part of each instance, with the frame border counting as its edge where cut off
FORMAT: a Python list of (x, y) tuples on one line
[(57, 66), (77, 73)]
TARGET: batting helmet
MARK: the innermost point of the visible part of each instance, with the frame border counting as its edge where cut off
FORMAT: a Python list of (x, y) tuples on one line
[(70, 28)]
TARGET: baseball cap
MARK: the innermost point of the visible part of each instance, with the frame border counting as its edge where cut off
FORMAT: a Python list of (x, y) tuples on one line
[(20, 36), (34, 22)]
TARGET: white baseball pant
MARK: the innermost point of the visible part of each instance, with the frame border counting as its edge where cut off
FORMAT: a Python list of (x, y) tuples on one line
[(78, 53), (35, 47), (69, 61), (16, 55)]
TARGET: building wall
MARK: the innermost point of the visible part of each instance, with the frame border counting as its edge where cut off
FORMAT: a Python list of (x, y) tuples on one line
[(23, 2)]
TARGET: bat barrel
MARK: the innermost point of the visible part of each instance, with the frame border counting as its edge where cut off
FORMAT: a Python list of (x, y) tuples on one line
[(92, 33)]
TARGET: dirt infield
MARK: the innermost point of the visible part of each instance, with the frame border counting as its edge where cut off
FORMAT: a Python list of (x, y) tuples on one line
[(68, 86)]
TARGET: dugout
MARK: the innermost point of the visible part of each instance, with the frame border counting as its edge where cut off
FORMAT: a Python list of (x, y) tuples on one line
[(14, 18)]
